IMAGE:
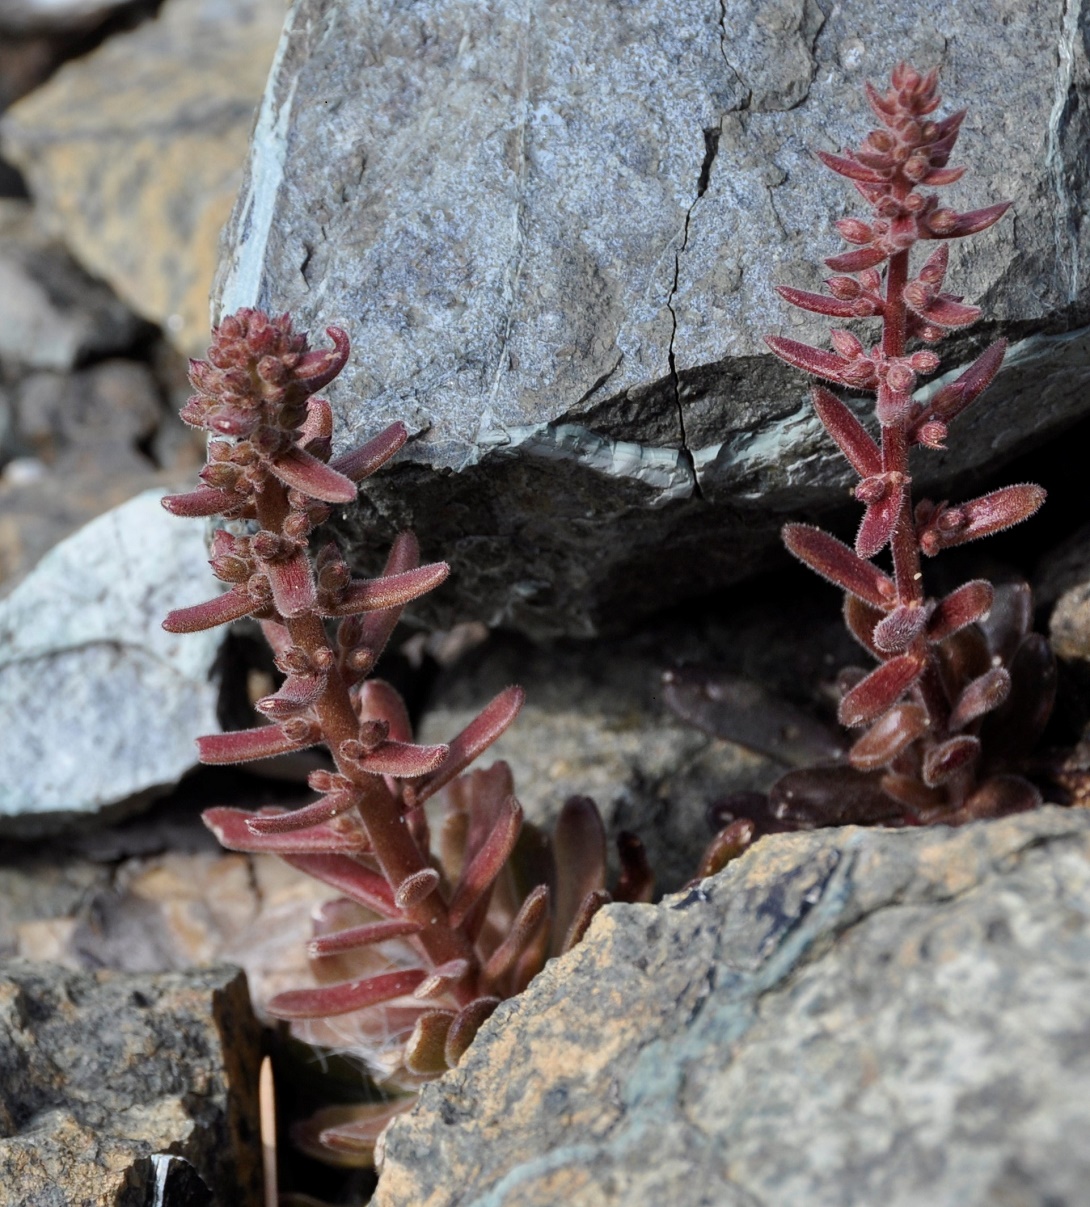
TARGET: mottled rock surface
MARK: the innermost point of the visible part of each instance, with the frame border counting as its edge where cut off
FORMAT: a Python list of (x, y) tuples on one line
[(102, 1075), (844, 1017), (134, 152), (99, 702), (556, 257)]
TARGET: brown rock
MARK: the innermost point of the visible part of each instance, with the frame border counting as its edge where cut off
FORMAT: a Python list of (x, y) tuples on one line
[(99, 1072), (135, 152), (842, 1017)]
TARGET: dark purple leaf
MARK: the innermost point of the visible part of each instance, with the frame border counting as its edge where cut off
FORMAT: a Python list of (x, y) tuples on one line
[(880, 690)]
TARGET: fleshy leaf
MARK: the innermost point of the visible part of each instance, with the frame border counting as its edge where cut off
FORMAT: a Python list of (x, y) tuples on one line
[(982, 516), (312, 477), (295, 693), (818, 303), (728, 844), (857, 260), (402, 760), (579, 841), (944, 761), (292, 583), (487, 863), (232, 828), (952, 399), (390, 591), (834, 561), (416, 888), (584, 916), (477, 736), (983, 694), (879, 691), (1000, 796), (333, 804), (962, 607), (900, 628), (831, 796), (362, 462), (636, 881), (522, 930), (329, 1000), (969, 223), (245, 745), (425, 1051), (223, 609), (879, 521), (810, 360), (851, 437), (204, 501), (466, 1026), (366, 935), (888, 737), (349, 877), (844, 166)]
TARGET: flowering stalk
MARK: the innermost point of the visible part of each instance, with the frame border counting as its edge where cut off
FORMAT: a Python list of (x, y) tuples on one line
[(419, 947), (924, 708)]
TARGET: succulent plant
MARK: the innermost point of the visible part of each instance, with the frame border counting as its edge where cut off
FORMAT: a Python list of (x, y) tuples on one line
[(963, 688), (420, 946)]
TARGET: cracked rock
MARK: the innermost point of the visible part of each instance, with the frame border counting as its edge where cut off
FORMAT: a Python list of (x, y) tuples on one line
[(99, 703), (553, 231), (846, 1016), (127, 1091)]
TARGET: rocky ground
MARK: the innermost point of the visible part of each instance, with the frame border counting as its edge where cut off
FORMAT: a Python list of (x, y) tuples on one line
[(846, 1016)]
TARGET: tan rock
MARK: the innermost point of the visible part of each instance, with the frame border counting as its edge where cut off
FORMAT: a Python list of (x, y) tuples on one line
[(135, 152)]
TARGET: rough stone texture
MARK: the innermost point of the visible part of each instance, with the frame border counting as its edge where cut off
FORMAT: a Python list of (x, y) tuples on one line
[(844, 1017), (1064, 581), (99, 702), (101, 1073), (553, 231), (52, 314), (595, 722), (134, 152)]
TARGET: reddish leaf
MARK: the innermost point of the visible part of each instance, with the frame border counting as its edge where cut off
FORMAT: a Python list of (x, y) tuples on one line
[(225, 608), (861, 620), (404, 555), (728, 844), (203, 501), (579, 843), (296, 692), (856, 261), (318, 424), (636, 881), (333, 804), (584, 916), (416, 888), (350, 878), (466, 1026), (962, 607), (983, 516), (403, 760), (900, 628), (292, 583), (312, 477), (941, 176), (478, 875), (944, 761), (879, 521), (845, 166), (851, 437), (245, 745), (879, 691), (344, 1136), (1001, 796), (477, 736), (952, 399), (830, 796), (982, 695), (391, 591), (943, 311), (523, 929), (329, 1000), (969, 223), (232, 828), (888, 737), (361, 462), (834, 561), (318, 368), (810, 360), (819, 303), (366, 935), (378, 700), (442, 979)]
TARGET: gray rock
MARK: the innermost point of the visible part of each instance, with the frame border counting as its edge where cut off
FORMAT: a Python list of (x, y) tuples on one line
[(52, 314), (553, 233), (843, 1017), (108, 1081), (23, 17), (98, 702)]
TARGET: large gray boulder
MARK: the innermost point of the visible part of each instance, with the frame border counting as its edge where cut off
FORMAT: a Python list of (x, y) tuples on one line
[(845, 1017), (553, 230), (99, 704)]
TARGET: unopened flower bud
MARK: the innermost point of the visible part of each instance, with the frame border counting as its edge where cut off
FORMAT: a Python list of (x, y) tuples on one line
[(879, 140), (352, 750), (360, 660), (942, 221), (372, 734), (267, 545), (846, 344), (322, 659), (301, 730), (932, 434), (924, 362), (872, 489), (297, 525), (844, 289), (900, 377), (951, 520)]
